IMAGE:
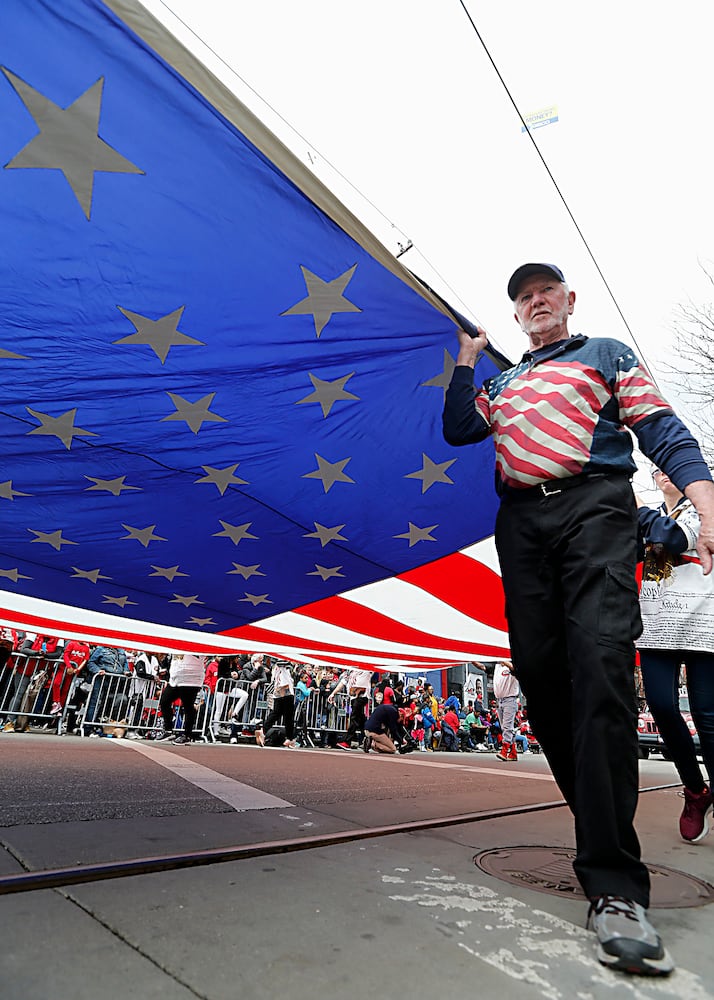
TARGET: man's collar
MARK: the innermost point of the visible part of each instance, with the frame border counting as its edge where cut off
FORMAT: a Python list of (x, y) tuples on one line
[(552, 350)]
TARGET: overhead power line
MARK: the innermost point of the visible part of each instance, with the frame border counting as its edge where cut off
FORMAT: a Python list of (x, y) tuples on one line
[(404, 246), (312, 153), (552, 179)]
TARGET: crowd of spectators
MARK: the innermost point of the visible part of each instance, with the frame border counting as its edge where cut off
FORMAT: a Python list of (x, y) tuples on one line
[(43, 678)]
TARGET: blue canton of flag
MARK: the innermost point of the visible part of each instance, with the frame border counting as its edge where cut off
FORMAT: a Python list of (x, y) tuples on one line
[(219, 402)]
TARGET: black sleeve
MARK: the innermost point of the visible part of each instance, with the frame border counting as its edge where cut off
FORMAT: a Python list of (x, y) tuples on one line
[(658, 528), (461, 421), (667, 442), (224, 666)]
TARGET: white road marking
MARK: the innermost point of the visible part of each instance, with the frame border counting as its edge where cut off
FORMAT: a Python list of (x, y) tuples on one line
[(554, 956), (240, 796), (418, 762)]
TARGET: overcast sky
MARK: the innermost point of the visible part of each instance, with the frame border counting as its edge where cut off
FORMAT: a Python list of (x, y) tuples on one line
[(400, 98)]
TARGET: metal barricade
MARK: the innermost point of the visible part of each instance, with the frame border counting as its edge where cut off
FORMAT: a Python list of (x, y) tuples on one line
[(107, 703), (202, 705), (126, 705), (235, 703), (143, 711), (28, 685), (238, 708)]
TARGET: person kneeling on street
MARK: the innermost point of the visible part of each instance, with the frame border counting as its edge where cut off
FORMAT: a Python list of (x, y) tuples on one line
[(381, 730)]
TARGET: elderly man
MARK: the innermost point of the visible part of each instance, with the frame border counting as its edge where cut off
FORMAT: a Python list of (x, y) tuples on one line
[(566, 538)]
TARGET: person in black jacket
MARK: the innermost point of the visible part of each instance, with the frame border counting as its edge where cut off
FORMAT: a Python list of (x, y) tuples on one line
[(255, 671), (381, 730)]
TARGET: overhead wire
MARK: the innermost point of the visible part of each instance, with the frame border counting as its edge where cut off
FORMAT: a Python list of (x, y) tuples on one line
[(562, 197), (378, 210), (408, 245)]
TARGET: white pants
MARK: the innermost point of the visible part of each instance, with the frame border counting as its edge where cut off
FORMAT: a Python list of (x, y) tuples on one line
[(231, 704)]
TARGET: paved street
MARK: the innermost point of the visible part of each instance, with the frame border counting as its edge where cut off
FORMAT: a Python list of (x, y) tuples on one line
[(404, 914)]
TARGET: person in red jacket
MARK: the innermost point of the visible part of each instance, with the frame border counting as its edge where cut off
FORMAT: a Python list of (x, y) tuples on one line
[(74, 657), (45, 645), (449, 731)]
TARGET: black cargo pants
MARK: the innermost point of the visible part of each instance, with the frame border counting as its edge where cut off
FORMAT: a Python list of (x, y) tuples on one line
[(568, 566)]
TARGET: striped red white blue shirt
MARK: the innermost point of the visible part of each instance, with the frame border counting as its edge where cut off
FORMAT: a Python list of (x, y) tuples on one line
[(566, 410)]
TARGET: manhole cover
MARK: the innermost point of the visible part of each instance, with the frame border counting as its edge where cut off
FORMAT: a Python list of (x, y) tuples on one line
[(550, 869)]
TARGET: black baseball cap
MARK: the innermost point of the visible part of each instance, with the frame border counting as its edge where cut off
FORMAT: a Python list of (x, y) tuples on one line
[(525, 271)]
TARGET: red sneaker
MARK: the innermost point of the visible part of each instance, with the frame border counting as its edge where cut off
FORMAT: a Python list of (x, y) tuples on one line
[(693, 823)]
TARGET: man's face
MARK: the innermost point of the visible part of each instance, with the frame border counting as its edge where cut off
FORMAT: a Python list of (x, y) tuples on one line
[(542, 308)]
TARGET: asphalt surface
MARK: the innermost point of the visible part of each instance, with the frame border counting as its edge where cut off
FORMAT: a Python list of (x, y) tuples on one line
[(409, 914)]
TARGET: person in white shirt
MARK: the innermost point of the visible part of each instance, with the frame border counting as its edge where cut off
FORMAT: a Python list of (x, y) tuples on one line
[(357, 683), (283, 709), (506, 691), (185, 679)]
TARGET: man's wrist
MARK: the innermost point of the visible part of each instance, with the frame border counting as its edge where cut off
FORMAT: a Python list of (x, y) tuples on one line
[(701, 493), (467, 358)]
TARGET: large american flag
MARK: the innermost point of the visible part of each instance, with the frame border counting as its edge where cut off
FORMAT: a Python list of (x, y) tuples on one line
[(221, 396)]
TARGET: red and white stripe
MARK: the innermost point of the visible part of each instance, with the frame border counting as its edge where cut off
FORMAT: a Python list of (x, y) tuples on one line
[(449, 611), (543, 425)]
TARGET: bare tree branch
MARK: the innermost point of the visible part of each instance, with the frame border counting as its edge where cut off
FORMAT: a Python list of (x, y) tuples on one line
[(693, 365)]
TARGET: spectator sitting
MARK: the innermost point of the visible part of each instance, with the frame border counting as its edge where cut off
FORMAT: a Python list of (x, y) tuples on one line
[(453, 702), (521, 742), (449, 728), (251, 674), (478, 730)]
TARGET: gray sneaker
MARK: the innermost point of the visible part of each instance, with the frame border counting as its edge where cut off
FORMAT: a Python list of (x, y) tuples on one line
[(626, 939)]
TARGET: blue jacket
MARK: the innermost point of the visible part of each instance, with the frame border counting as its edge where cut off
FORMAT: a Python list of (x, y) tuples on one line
[(428, 717), (108, 659)]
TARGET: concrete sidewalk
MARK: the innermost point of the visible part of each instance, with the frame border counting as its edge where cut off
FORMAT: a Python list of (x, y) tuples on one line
[(404, 915)]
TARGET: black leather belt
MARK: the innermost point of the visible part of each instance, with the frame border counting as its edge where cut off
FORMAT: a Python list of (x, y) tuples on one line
[(554, 486)]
